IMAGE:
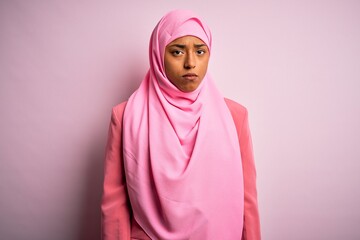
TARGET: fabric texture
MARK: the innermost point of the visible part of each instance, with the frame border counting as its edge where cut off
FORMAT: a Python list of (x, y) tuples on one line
[(117, 220), (182, 159)]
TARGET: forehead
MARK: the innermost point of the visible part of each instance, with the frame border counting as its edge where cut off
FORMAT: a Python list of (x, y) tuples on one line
[(187, 40)]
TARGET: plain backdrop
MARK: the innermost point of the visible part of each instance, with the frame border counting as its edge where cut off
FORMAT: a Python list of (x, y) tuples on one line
[(294, 64)]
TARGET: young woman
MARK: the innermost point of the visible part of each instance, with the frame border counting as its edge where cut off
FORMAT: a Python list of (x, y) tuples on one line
[(179, 161)]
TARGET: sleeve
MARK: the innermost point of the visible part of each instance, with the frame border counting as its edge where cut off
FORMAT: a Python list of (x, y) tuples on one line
[(115, 213), (251, 213)]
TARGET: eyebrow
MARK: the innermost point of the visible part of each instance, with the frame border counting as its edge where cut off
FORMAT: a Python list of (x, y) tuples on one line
[(184, 46)]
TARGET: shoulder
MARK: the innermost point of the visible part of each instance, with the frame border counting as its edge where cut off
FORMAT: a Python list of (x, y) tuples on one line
[(236, 109), (240, 117), (118, 111)]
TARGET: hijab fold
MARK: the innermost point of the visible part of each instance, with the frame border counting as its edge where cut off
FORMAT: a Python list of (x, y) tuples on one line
[(181, 152)]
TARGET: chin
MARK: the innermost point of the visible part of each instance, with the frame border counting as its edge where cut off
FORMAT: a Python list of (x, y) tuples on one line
[(188, 90)]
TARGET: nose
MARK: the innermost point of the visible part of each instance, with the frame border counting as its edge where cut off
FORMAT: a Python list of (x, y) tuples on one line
[(189, 61)]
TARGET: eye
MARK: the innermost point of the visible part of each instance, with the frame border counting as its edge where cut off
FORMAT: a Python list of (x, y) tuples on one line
[(200, 52), (176, 52)]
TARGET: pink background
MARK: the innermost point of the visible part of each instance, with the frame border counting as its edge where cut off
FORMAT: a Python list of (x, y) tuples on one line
[(294, 64)]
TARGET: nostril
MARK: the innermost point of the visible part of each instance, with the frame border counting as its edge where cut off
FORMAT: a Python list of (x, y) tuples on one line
[(189, 66)]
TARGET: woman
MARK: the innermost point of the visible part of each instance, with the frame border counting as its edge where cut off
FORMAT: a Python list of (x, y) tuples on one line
[(179, 162)]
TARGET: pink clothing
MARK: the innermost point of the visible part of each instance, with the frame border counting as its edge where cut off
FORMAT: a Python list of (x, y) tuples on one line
[(182, 159), (117, 219)]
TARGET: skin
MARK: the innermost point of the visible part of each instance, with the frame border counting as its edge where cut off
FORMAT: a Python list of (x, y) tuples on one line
[(186, 60)]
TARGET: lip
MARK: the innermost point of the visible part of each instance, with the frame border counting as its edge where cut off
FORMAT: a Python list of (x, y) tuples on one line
[(190, 76)]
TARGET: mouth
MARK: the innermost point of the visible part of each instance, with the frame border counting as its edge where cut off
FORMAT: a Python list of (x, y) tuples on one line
[(190, 76)]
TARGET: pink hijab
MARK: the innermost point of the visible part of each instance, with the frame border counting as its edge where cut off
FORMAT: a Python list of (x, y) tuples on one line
[(181, 151)]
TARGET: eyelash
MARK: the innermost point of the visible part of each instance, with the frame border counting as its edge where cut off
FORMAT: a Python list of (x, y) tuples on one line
[(178, 52)]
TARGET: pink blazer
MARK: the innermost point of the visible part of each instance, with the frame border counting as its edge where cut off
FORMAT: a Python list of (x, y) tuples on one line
[(117, 221)]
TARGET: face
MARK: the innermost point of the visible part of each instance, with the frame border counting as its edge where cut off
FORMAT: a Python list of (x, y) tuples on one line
[(186, 60)]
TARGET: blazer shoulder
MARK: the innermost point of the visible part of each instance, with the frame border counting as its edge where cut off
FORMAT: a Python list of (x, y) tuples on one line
[(118, 110), (236, 108)]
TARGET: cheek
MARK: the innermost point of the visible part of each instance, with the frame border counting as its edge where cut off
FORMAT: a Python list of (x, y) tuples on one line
[(172, 68), (169, 70), (204, 67), (168, 67)]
